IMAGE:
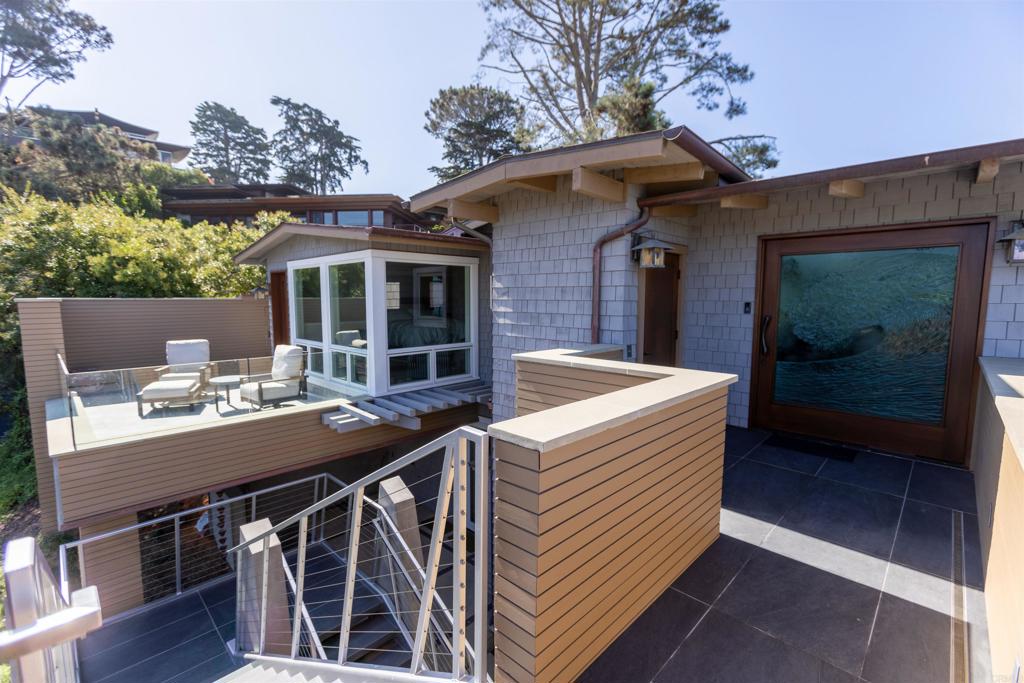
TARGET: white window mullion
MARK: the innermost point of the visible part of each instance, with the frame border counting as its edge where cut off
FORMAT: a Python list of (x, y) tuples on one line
[(377, 321)]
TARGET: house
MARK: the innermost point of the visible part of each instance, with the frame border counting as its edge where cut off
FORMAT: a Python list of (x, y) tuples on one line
[(858, 329), (241, 201), (168, 152)]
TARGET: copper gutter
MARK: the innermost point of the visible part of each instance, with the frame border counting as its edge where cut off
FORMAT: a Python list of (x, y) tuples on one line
[(595, 301)]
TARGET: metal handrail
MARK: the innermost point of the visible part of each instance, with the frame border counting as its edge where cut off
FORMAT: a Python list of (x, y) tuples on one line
[(176, 518), (453, 489)]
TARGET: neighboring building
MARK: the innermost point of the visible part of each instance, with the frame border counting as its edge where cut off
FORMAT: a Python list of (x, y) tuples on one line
[(168, 152), (627, 298), (233, 202)]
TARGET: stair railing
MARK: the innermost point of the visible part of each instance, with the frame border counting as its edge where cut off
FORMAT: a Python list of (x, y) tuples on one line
[(41, 625), (256, 596)]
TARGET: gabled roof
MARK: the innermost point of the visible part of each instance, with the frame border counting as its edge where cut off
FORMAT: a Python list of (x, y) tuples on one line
[(255, 252), (677, 145)]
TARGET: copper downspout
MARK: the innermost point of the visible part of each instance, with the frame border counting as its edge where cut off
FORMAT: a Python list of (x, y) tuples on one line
[(595, 303)]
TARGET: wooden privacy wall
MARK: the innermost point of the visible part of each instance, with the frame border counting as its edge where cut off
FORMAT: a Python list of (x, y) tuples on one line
[(134, 475), (999, 484), (109, 334), (589, 534), (114, 565), (42, 338), (540, 386)]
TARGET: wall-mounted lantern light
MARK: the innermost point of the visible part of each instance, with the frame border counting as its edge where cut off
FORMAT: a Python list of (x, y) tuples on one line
[(259, 293), (649, 252), (1015, 243)]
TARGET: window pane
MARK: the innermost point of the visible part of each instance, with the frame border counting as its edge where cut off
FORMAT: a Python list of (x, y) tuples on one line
[(339, 366), (328, 217), (308, 315), (452, 363), (405, 369), (353, 217), (427, 305), (314, 359), (378, 218), (359, 369), (348, 305)]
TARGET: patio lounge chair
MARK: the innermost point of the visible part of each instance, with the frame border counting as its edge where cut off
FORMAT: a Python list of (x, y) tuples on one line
[(170, 392), (285, 381), (187, 359)]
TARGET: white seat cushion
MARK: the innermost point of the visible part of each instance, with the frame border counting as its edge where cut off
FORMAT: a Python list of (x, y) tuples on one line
[(187, 351), (166, 390), (287, 362), (180, 377), (272, 390)]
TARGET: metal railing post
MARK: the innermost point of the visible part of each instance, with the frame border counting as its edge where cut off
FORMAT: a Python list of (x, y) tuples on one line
[(481, 556), (177, 555), (355, 524), (264, 594), (300, 580), (240, 596), (444, 494), (459, 561)]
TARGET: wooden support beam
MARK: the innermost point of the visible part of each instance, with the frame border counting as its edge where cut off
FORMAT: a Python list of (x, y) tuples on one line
[(434, 401), (745, 201), (381, 411), (987, 170), (368, 418), (671, 173), (674, 211), (405, 400), (458, 208), (593, 184), (435, 395), (848, 189), (547, 183), (408, 411)]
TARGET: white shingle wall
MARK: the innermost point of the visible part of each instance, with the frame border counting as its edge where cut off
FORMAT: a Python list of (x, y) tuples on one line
[(542, 267), (722, 259)]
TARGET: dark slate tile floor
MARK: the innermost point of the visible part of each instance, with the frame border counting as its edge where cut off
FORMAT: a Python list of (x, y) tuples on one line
[(827, 571), (180, 641)]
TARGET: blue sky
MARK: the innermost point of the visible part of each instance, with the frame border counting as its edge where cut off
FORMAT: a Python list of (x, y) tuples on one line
[(837, 82)]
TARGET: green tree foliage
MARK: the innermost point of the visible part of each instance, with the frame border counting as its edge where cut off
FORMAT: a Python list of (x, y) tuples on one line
[(42, 40), (62, 158), (95, 249), (753, 153), (592, 68), (477, 124), (227, 147), (311, 148)]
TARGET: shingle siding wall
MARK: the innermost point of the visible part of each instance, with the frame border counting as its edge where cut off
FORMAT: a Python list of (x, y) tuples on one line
[(722, 262), (541, 286)]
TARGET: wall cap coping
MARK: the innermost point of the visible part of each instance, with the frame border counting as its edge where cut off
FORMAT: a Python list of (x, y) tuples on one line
[(556, 427), (1004, 378)]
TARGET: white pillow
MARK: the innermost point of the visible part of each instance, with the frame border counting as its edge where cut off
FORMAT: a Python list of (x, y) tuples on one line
[(187, 351), (287, 362)]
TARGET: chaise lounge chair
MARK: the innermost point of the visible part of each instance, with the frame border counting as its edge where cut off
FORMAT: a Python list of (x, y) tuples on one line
[(285, 381), (170, 392), (186, 359)]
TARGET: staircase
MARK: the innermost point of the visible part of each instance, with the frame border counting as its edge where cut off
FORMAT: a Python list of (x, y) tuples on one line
[(375, 637), (404, 409)]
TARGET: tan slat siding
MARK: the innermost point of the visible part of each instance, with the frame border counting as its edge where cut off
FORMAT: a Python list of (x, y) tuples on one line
[(114, 565), (540, 386), (106, 334), (586, 538), (134, 476), (42, 338)]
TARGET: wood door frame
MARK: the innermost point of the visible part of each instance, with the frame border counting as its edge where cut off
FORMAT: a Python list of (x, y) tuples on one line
[(682, 251), (763, 241)]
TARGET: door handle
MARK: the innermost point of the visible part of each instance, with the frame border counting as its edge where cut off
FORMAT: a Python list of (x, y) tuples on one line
[(765, 321)]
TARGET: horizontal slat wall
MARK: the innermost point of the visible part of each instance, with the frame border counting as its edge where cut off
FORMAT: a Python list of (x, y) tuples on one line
[(136, 475), (588, 535), (108, 334), (540, 386), (42, 338), (114, 565)]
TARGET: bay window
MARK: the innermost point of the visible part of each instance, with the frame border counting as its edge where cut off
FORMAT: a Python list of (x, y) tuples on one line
[(387, 321)]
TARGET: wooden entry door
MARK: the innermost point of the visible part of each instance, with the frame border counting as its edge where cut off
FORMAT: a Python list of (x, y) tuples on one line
[(871, 337), (661, 312), (279, 307)]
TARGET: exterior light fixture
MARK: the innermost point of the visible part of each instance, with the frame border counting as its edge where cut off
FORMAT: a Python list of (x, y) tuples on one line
[(259, 293), (650, 252), (1015, 243)]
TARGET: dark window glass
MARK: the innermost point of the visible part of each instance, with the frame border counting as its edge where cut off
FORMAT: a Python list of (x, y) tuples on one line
[(406, 369)]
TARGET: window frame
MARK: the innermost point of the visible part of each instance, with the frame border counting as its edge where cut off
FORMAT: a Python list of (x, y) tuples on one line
[(377, 353)]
